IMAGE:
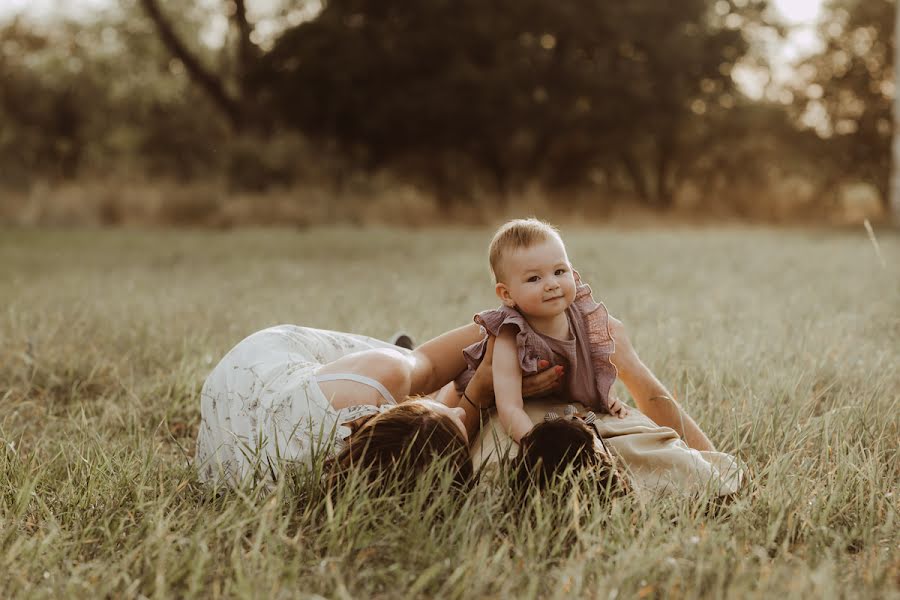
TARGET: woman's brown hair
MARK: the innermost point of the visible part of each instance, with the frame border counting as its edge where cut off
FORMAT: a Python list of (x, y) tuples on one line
[(560, 444), (401, 443)]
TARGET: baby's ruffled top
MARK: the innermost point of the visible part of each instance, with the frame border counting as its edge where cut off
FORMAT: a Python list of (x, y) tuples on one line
[(589, 373)]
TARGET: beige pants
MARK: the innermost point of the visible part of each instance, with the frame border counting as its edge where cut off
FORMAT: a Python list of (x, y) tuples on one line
[(657, 459)]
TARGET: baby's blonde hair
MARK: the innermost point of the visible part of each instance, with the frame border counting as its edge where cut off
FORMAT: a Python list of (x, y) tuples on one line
[(515, 234)]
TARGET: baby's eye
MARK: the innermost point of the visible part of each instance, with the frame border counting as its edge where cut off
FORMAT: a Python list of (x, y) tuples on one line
[(560, 271), (533, 279)]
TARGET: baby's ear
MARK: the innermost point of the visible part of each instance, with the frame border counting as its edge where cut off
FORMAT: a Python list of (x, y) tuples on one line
[(503, 293)]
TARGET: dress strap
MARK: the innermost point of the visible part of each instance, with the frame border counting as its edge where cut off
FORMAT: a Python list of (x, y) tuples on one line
[(359, 379)]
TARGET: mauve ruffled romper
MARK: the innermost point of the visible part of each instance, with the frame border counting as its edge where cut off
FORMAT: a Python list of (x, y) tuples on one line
[(589, 373)]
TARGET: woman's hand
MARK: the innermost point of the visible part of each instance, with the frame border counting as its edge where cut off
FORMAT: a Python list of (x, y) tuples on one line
[(616, 408), (481, 388)]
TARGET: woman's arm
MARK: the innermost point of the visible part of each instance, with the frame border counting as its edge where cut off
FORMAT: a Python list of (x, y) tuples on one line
[(480, 390), (440, 360), (508, 386), (651, 396)]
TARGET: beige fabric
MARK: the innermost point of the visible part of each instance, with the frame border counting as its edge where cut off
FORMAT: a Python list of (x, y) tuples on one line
[(657, 459)]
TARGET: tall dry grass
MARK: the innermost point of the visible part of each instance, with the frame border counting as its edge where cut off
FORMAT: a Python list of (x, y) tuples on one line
[(383, 199), (782, 344)]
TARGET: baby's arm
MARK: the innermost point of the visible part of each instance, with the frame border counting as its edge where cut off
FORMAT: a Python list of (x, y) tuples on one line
[(508, 386)]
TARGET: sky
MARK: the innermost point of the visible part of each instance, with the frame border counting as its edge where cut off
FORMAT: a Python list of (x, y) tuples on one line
[(43, 8), (803, 15), (799, 11)]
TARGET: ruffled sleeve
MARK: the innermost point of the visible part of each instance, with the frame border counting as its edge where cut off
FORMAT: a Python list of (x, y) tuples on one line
[(492, 322), (602, 344)]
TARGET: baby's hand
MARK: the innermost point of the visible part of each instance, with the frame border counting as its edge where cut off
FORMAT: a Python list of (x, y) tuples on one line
[(616, 408)]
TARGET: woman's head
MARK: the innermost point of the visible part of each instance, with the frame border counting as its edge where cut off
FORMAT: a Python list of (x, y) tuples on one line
[(402, 442), (531, 268), (565, 444)]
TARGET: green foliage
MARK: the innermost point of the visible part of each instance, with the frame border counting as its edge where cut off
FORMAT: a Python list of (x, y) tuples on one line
[(71, 105), (520, 90), (853, 83), (464, 100)]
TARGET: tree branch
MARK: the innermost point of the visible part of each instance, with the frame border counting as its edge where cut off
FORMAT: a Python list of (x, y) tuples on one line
[(208, 82), (245, 46)]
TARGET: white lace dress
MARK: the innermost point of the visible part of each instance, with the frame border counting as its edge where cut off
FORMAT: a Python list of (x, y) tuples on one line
[(261, 406)]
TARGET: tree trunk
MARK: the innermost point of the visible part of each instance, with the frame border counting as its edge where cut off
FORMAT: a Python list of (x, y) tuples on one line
[(246, 48), (664, 191), (894, 203), (633, 168)]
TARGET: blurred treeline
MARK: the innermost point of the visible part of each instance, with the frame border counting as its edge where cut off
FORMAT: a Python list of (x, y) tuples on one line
[(469, 102)]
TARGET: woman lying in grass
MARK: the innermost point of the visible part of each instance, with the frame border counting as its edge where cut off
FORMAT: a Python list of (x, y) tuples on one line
[(288, 394)]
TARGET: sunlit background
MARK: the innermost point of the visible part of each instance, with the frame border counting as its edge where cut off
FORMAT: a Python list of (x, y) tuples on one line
[(776, 110)]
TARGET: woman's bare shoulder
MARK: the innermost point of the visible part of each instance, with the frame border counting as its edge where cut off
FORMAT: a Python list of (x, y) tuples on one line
[(387, 366), (383, 364)]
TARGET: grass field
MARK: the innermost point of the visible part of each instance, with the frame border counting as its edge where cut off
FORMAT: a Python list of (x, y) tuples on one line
[(783, 344)]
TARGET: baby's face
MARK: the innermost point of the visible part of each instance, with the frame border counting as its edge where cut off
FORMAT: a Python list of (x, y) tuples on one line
[(538, 280)]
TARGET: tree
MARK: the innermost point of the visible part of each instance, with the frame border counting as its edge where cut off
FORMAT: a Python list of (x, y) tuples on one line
[(519, 89), (895, 172), (233, 98), (90, 98), (853, 88)]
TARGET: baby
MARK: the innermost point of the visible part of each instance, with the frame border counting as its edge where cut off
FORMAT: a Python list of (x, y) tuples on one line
[(547, 314)]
